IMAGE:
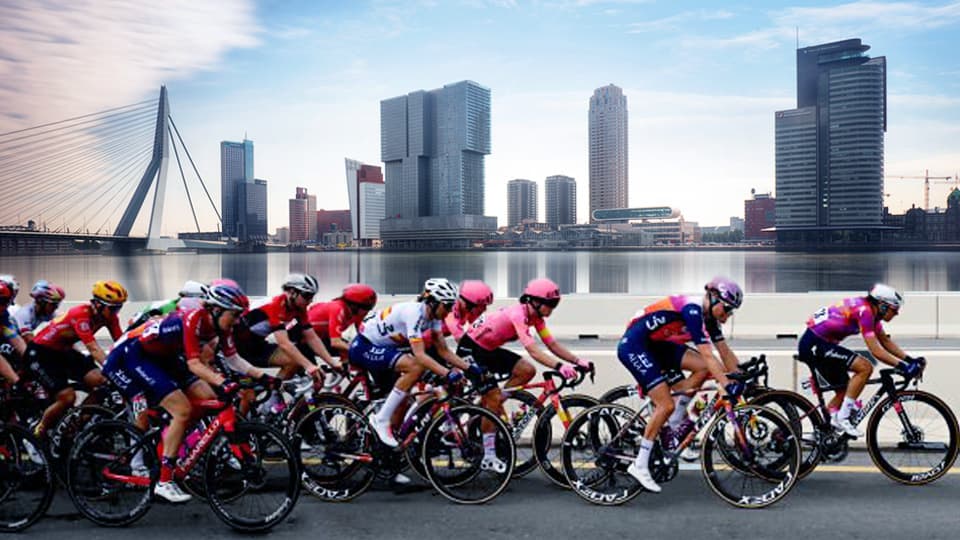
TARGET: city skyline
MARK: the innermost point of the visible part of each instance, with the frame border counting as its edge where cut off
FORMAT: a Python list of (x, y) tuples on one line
[(305, 82)]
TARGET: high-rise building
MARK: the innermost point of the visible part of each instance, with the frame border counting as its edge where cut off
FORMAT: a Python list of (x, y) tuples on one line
[(433, 145), (561, 200), (311, 217), (332, 221), (608, 149), (301, 218), (759, 214), (236, 167), (252, 199), (367, 192), (829, 150), (521, 201)]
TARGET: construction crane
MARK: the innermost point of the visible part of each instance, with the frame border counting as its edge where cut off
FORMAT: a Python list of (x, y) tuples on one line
[(926, 183)]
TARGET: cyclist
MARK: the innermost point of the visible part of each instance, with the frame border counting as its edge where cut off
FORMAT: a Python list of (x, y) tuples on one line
[(11, 343), (475, 297), (188, 298), (820, 348), (330, 319), (55, 362), (654, 350), (379, 349), (46, 299), (485, 339), (166, 359)]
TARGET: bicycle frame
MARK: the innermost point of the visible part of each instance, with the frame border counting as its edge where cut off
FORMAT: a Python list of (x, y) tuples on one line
[(887, 388)]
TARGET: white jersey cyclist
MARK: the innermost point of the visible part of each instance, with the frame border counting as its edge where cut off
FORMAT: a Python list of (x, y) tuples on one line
[(399, 325)]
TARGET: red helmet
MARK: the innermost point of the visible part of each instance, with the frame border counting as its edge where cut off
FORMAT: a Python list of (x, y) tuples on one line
[(476, 292), (5, 293), (543, 290), (360, 295)]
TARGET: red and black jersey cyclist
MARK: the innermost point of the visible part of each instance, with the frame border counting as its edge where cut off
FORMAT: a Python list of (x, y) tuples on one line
[(275, 317), (654, 349), (330, 319), (168, 360), (53, 360)]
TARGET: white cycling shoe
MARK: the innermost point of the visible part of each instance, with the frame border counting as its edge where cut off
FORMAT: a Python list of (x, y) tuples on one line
[(493, 463), (844, 426), (383, 431), (171, 492), (401, 479), (690, 454), (642, 475)]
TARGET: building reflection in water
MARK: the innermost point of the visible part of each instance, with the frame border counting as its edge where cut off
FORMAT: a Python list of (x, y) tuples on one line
[(521, 268), (561, 267), (610, 273), (250, 272)]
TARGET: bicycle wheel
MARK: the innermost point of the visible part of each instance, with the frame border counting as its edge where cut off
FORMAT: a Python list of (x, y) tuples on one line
[(26, 479), (100, 480), (453, 455), (805, 421), (521, 410), (750, 456), (627, 395), (914, 443), (597, 448), (62, 436), (336, 445), (259, 491), (549, 432)]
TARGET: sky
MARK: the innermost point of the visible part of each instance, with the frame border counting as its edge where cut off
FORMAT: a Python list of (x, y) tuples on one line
[(304, 80)]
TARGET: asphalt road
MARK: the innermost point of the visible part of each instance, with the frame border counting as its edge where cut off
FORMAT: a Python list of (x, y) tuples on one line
[(828, 504)]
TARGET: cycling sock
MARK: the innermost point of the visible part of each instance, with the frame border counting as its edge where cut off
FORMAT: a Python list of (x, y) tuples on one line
[(489, 445), (393, 401), (643, 458), (679, 411), (166, 468), (848, 404)]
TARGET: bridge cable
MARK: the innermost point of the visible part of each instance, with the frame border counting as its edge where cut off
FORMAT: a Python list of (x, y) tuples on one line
[(100, 113), (202, 184), (173, 144)]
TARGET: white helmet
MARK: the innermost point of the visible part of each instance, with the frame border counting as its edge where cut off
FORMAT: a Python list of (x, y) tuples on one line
[(440, 290), (886, 294), (193, 289), (304, 283)]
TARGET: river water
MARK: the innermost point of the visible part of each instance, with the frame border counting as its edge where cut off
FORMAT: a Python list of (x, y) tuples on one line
[(150, 277)]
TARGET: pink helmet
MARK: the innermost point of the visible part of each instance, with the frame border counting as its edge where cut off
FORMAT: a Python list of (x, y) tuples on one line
[(542, 289), (476, 292), (224, 281), (45, 291)]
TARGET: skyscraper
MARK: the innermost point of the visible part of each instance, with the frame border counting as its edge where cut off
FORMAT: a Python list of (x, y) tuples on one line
[(521, 201), (252, 224), (608, 149), (432, 145), (367, 191), (561, 200), (301, 217), (236, 167), (829, 150)]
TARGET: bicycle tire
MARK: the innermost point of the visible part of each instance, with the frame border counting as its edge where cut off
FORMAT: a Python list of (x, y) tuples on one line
[(521, 406), (109, 444), (729, 439), (25, 471), (473, 484), (549, 457), (63, 434), (627, 395), (800, 412), (912, 475), (227, 487), (331, 439)]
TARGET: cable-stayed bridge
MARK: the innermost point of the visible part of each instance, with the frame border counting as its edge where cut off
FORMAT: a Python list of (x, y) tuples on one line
[(86, 179)]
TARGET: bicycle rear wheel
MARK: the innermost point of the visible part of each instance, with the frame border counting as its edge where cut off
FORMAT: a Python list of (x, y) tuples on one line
[(453, 455), (916, 444), (751, 457), (521, 411), (549, 426), (597, 448), (805, 420), (62, 436), (26, 479), (100, 481), (336, 445), (259, 491)]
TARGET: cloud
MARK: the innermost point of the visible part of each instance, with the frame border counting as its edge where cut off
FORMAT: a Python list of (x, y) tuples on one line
[(868, 14), (61, 58), (674, 22)]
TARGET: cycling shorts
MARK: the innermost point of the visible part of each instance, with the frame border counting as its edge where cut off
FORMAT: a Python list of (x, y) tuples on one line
[(652, 362), (829, 362), (134, 371), (499, 360), (257, 351), (55, 370)]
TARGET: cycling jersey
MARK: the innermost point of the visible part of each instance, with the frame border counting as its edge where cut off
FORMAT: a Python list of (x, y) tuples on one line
[(330, 319), (458, 321), (399, 325), (28, 320), (508, 324), (267, 318), (677, 319), (8, 326), (181, 333), (848, 317), (80, 323), (164, 307)]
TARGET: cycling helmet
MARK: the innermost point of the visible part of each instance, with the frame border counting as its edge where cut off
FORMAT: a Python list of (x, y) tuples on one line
[(227, 297), (440, 290), (192, 289), (302, 283), (476, 292), (109, 292), (5, 293), (543, 290), (885, 294), (12, 284), (726, 290), (44, 291), (360, 295), (224, 281)]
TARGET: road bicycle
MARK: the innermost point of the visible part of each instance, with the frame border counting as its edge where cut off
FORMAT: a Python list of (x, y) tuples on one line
[(26, 473)]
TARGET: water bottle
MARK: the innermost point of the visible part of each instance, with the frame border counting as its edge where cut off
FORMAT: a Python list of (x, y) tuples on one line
[(699, 405)]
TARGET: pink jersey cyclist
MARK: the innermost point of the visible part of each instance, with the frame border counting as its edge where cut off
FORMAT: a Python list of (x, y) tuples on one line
[(509, 324), (846, 318)]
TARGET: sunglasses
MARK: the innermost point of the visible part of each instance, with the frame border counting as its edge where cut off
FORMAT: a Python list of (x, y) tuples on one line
[(551, 303), (113, 307), (727, 308), (307, 297)]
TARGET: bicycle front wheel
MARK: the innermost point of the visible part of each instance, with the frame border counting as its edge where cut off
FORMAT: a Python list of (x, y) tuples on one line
[(597, 448), (805, 420), (336, 445), (912, 437), (751, 457), (455, 460), (259, 491), (551, 427), (26, 479)]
